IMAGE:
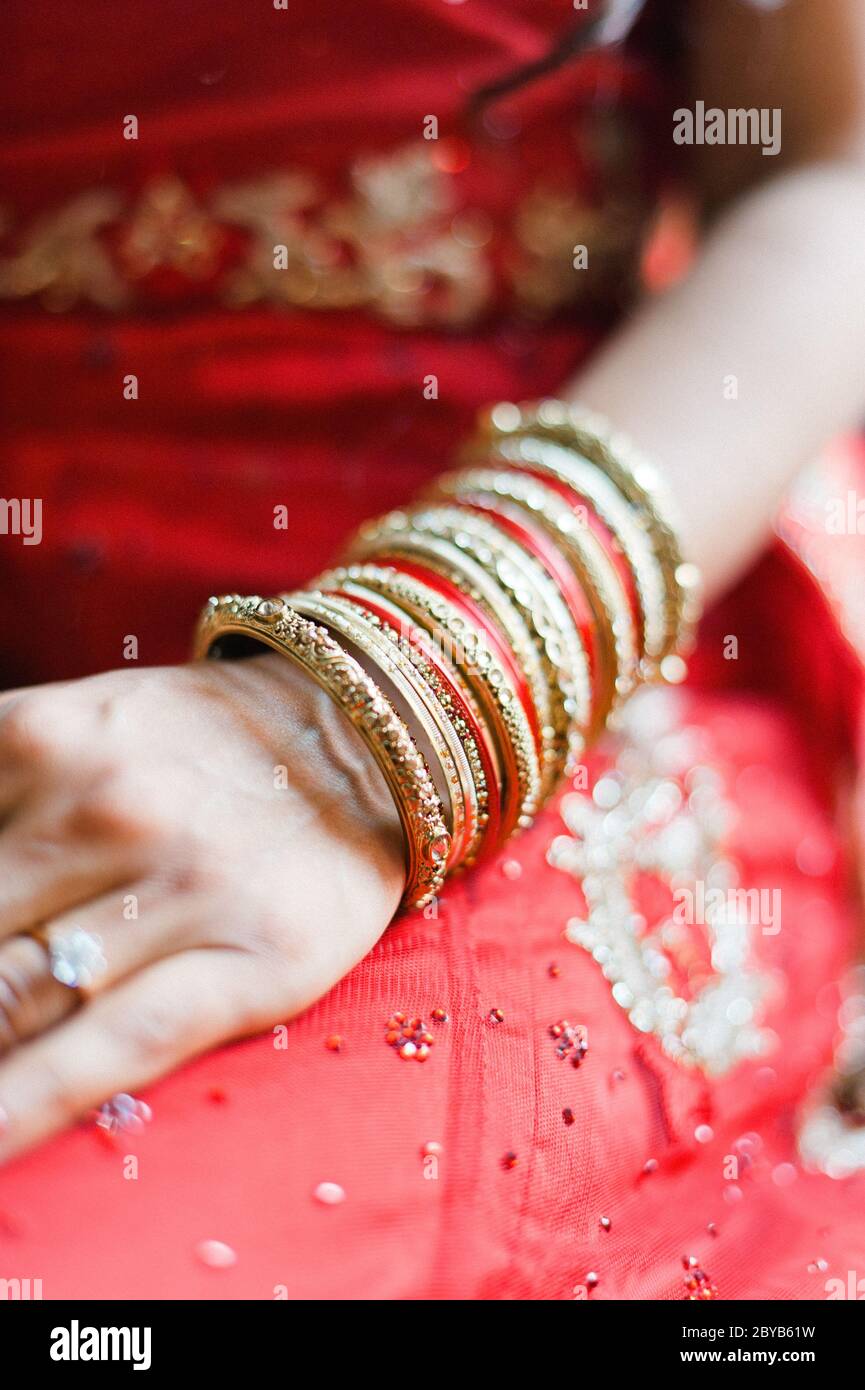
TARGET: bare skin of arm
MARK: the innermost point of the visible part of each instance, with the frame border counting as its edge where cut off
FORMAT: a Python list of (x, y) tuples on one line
[(777, 297), (255, 900)]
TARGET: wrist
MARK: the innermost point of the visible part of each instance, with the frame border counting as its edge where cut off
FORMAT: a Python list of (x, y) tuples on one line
[(319, 759)]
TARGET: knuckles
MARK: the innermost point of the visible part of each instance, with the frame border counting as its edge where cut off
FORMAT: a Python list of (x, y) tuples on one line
[(29, 730), (46, 728), (118, 809)]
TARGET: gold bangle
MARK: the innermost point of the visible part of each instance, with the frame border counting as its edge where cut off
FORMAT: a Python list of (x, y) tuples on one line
[(566, 466), (466, 756), (415, 534), (352, 624), (352, 579), (537, 597), (636, 478), (584, 553), (556, 643), (274, 623), (494, 694)]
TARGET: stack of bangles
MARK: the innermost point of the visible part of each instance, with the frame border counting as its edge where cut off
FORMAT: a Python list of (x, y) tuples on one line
[(480, 638)]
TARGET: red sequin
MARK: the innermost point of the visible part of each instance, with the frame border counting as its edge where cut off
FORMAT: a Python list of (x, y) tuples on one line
[(571, 1040), (411, 1039), (698, 1284)]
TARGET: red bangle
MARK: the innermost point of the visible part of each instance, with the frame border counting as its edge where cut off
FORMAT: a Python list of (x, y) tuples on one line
[(611, 547)]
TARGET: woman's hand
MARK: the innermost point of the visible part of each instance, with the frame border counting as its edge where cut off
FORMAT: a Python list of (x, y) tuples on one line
[(224, 834)]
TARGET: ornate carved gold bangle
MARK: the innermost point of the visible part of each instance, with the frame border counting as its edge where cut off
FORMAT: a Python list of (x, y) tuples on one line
[(274, 623)]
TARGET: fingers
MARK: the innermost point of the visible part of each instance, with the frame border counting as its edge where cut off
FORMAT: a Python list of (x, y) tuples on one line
[(93, 947), (81, 819), (163, 926), (30, 998), (128, 1037)]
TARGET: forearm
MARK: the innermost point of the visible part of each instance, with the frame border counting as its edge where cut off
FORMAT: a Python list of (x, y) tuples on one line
[(735, 378)]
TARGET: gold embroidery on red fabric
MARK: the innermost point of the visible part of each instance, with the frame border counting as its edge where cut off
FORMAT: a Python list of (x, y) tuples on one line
[(399, 244), (168, 229), (64, 263)]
